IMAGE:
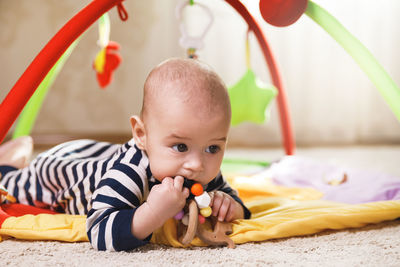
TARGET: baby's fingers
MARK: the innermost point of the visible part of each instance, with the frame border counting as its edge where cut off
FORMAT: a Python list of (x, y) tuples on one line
[(167, 181), (178, 182), (224, 208), (216, 202), (185, 192), (231, 213)]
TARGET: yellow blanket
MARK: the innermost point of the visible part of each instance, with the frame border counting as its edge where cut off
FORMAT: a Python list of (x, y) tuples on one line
[(276, 212)]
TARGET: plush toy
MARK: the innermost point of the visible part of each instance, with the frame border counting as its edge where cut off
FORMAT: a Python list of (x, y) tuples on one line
[(107, 59), (250, 97), (192, 220)]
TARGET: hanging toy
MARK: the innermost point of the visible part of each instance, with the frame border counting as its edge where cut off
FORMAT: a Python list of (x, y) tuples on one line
[(192, 43), (250, 97), (107, 59), (283, 12)]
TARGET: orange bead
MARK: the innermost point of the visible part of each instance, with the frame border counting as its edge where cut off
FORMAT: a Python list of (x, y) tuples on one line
[(197, 189)]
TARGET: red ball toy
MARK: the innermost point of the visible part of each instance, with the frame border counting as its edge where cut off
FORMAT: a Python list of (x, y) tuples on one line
[(282, 13)]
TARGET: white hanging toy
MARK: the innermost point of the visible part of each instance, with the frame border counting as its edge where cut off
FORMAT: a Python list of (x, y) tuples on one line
[(192, 43)]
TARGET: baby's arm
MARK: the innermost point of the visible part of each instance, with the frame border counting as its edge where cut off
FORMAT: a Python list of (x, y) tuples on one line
[(114, 203), (164, 201), (226, 204), (120, 219)]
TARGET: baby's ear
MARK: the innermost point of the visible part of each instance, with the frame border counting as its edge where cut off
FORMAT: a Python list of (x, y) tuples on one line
[(138, 132)]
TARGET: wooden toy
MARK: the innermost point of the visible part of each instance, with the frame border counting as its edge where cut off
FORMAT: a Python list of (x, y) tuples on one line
[(196, 189), (4, 195), (216, 237)]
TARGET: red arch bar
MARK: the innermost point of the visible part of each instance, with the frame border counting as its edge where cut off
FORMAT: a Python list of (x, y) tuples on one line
[(286, 127), (19, 95), (22, 91)]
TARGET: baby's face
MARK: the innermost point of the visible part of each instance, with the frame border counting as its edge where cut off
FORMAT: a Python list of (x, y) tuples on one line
[(184, 141)]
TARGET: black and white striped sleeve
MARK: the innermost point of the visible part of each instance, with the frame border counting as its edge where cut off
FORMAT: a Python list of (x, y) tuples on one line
[(120, 192)]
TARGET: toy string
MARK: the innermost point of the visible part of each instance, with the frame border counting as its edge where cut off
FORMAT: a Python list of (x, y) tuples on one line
[(104, 30), (377, 74), (29, 113), (248, 64)]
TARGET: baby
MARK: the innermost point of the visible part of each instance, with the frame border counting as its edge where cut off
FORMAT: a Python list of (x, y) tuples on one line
[(130, 190)]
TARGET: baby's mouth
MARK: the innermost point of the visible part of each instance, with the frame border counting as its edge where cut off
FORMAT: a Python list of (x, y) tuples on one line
[(188, 183)]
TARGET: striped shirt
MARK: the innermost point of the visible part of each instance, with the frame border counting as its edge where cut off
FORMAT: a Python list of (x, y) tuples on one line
[(105, 181)]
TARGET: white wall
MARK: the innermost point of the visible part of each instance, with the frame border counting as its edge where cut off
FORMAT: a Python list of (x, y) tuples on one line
[(332, 101)]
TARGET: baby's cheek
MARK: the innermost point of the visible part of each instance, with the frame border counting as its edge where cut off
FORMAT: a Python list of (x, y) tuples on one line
[(162, 169)]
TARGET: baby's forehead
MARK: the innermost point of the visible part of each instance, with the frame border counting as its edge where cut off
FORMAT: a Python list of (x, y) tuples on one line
[(183, 89), (182, 82)]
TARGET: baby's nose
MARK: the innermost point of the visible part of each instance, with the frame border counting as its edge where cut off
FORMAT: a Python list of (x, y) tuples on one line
[(194, 163)]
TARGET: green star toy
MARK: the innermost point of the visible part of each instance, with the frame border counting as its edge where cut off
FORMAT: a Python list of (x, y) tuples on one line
[(250, 99)]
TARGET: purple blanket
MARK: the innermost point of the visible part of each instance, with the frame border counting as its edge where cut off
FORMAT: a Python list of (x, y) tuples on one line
[(337, 184)]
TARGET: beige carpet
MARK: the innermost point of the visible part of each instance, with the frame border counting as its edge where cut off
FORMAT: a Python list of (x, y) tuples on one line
[(373, 245)]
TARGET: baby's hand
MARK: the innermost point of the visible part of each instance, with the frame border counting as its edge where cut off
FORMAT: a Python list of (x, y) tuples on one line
[(225, 207), (168, 198)]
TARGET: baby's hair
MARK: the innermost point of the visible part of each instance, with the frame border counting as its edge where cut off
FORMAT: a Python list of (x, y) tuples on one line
[(191, 80)]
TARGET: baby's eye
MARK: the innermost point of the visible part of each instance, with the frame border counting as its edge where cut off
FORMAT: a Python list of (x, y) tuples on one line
[(180, 147), (213, 149)]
